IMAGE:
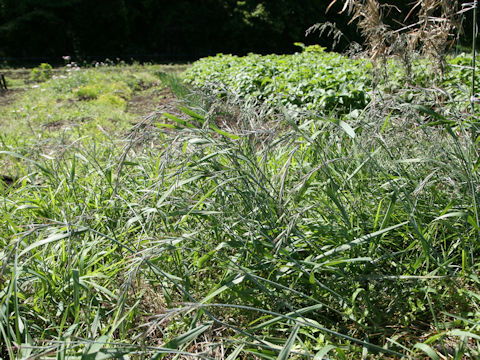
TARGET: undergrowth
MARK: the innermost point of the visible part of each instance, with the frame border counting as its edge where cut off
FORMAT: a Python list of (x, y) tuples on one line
[(74, 101), (229, 231), (305, 207)]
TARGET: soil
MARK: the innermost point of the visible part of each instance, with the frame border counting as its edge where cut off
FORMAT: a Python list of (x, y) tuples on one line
[(146, 102), (8, 96), (149, 104), (7, 180)]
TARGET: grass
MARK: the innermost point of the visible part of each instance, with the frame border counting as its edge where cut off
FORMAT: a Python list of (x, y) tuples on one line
[(223, 230), (100, 96)]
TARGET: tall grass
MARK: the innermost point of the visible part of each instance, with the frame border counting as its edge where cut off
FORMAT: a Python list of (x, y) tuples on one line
[(221, 235)]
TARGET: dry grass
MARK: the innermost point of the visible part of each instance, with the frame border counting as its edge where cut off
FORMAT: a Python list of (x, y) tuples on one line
[(431, 32)]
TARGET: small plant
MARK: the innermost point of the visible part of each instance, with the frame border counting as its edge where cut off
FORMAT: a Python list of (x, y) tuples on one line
[(41, 73), (111, 99), (88, 92)]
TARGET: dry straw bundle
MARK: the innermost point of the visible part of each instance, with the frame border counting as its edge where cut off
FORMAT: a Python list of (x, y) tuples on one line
[(431, 29)]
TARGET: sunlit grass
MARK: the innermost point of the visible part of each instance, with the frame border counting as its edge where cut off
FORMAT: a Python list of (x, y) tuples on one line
[(78, 99), (219, 233)]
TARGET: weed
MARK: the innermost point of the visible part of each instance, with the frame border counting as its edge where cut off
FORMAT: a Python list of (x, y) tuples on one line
[(230, 230), (41, 73)]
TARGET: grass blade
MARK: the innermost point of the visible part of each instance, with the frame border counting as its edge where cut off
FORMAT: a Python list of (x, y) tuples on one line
[(285, 353)]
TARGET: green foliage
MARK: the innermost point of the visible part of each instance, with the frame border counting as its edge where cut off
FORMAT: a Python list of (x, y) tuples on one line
[(41, 73), (88, 92), (107, 89), (213, 232), (81, 100), (326, 82), (311, 80), (111, 99)]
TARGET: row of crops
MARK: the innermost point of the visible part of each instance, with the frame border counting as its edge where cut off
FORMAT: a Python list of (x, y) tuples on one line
[(326, 82)]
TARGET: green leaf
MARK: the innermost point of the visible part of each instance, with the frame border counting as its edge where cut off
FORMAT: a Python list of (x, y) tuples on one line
[(76, 291), (187, 337), (221, 289), (92, 350), (264, 354), (284, 354), (461, 333), (429, 111), (192, 113), (323, 351), (52, 238), (477, 164), (451, 214), (235, 353), (176, 185), (347, 128), (224, 133), (168, 126), (178, 120), (104, 354), (427, 350), (291, 314), (18, 156), (360, 240)]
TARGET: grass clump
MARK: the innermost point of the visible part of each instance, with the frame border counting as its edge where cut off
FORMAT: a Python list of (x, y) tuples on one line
[(232, 236), (223, 229), (88, 92)]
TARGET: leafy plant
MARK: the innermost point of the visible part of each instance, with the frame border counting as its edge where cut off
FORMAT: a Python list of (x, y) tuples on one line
[(41, 73), (88, 92), (311, 80), (329, 83)]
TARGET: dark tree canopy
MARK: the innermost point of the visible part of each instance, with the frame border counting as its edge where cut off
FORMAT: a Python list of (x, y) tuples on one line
[(180, 29), (45, 30)]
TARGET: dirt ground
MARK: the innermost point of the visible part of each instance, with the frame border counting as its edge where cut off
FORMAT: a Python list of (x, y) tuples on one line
[(8, 96), (144, 103)]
